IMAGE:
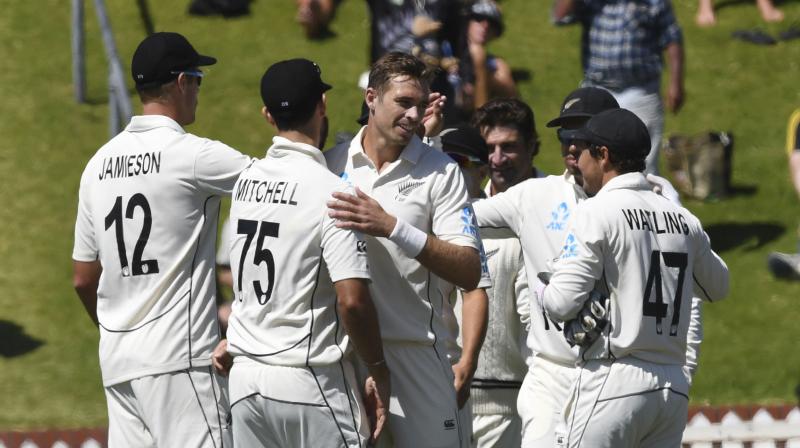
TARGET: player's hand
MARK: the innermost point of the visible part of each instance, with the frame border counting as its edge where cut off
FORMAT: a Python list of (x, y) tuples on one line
[(377, 390), (221, 359), (361, 213), (433, 120), (463, 374), (592, 319)]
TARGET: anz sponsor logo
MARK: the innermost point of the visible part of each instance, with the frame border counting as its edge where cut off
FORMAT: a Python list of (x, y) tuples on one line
[(570, 248), (559, 217), (468, 221), (345, 177)]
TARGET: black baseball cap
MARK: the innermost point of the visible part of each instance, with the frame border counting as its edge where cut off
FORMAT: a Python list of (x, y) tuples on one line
[(618, 129), (465, 140), (160, 55), (487, 9), (292, 88), (584, 103)]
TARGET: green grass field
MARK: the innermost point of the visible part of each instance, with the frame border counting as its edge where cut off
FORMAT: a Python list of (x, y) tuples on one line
[(50, 376)]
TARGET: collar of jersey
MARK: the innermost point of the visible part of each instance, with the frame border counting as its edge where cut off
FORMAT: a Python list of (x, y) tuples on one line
[(141, 123), (282, 147), (627, 181), (412, 152)]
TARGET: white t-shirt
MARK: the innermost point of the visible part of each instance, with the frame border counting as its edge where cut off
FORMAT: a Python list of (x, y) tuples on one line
[(537, 212), (425, 188), (148, 207), (286, 254), (651, 256)]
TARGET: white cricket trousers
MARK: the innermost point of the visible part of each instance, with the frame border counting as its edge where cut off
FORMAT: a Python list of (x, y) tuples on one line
[(186, 408), (298, 407), (541, 401), (627, 403)]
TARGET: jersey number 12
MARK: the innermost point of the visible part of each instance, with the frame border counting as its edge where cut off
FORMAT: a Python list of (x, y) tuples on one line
[(138, 266), (658, 309)]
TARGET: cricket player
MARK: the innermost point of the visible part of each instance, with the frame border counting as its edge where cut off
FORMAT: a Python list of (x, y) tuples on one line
[(501, 363), (144, 257), (649, 256), (412, 201), (301, 286)]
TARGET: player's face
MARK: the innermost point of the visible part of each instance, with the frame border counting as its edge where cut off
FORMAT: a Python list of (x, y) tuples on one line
[(589, 167), (569, 151), (509, 157), (398, 112)]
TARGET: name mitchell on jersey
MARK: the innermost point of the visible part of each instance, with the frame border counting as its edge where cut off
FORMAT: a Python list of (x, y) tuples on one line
[(129, 165), (274, 192)]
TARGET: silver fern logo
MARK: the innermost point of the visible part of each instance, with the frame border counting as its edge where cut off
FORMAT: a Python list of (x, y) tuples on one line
[(405, 188)]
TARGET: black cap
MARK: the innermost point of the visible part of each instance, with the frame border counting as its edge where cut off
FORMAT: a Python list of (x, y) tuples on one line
[(292, 88), (159, 55), (618, 129), (487, 9), (466, 140), (584, 103)]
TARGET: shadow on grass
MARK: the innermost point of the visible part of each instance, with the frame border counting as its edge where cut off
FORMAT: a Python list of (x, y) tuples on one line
[(14, 341), (751, 236)]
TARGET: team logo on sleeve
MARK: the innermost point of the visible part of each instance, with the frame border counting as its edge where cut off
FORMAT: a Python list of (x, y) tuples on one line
[(468, 222), (559, 216), (570, 248)]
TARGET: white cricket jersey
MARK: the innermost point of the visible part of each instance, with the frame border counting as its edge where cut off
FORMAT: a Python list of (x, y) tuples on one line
[(286, 255), (425, 188), (537, 211), (148, 207), (651, 256)]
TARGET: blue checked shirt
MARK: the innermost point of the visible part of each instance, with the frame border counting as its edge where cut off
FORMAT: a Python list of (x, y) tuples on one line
[(623, 40)]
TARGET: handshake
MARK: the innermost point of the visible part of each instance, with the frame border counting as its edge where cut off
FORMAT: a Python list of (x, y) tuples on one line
[(591, 320)]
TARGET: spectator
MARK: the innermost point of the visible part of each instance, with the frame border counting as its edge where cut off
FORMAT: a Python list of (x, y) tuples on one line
[(622, 46), (485, 76), (788, 265), (705, 12), (315, 15)]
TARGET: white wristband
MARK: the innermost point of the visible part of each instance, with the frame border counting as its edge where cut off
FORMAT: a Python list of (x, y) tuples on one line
[(409, 238)]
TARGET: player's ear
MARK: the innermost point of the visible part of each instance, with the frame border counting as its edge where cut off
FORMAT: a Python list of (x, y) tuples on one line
[(371, 96), (268, 116)]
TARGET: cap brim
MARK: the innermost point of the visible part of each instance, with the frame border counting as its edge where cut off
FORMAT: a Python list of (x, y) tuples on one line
[(205, 60), (558, 121), (584, 134), (326, 87)]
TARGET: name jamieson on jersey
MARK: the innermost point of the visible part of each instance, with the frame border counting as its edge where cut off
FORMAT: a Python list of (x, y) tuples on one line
[(671, 222), (273, 192), (131, 165)]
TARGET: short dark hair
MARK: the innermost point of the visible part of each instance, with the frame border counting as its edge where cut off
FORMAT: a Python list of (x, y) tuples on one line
[(509, 112), (396, 64), (300, 118), (153, 93), (622, 164)]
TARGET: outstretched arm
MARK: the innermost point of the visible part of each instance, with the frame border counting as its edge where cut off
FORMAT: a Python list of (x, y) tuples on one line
[(459, 265)]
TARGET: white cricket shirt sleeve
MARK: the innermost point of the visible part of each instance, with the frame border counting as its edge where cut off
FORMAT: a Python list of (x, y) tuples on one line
[(711, 276), (217, 167), (579, 266), (85, 247), (453, 219), (522, 293), (500, 211), (344, 251)]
